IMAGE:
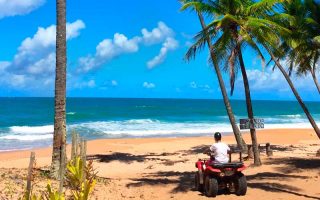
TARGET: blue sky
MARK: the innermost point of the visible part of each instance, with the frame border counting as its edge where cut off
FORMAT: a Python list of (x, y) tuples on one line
[(120, 48)]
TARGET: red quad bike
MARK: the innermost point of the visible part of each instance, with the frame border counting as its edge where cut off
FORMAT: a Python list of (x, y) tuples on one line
[(212, 177)]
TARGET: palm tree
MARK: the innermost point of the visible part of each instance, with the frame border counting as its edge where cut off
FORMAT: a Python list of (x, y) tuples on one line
[(206, 40), (59, 137), (304, 51), (228, 30), (270, 36)]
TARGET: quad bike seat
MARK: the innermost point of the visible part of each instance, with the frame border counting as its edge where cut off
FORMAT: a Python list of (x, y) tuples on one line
[(227, 165)]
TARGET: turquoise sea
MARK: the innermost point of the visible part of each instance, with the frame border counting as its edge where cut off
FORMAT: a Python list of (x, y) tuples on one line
[(28, 122)]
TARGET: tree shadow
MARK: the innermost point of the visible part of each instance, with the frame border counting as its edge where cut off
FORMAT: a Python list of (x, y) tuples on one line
[(277, 187), (290, 165), (282, 148), (273, 176), (129, 158), (195, 150), (183, 180), (294, 164)]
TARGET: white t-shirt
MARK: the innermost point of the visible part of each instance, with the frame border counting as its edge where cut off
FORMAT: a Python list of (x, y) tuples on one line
[(220, 151)]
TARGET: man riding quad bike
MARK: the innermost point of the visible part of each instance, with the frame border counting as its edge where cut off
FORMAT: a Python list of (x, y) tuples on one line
[(219, 173)]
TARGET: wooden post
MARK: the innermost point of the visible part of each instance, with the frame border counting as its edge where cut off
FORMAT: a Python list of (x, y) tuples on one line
[(250, 151), (82, 156), (84, 159), (85, 150), (318, 153), (269, 150), (74, 145), (30, 170), (62, 168)]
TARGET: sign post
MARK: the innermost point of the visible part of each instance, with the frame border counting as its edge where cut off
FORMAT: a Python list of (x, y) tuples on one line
[(251, 123)]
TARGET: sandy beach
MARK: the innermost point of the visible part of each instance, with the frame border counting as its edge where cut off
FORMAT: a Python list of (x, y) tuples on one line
[(162, 168)]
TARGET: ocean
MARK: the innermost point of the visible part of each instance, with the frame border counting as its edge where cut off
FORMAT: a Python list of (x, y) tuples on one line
[(28, 122)]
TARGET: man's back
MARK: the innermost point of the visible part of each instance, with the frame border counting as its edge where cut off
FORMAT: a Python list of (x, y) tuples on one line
[(220, 150)]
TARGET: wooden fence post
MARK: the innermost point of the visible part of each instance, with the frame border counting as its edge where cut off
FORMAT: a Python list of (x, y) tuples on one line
[(269, 150), (30, 172), (74, 145), (250, 151)]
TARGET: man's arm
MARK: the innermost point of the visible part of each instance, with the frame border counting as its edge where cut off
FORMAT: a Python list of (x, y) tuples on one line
[(209, 150)]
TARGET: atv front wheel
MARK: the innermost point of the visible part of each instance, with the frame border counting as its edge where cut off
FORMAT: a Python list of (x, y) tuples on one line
[(211, 186), (240, 184), (197, 182)]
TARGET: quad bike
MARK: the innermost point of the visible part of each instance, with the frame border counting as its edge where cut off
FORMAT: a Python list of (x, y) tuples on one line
[(213, 177)]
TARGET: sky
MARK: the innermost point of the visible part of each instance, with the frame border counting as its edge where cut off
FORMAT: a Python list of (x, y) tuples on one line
[(121, 48)]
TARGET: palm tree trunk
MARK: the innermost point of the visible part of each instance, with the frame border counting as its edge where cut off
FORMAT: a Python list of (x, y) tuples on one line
[(295, 92), (256, 152), (59, 136), (314, 77), (241, 143)]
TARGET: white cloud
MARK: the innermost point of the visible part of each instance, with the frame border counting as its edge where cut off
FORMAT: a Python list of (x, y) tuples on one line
[(148, 85), (85, 84), (35, 59), (269, 81), (193, 85), (108, 49), (18, 7), (114, 83), (157, 35), (200, 87), (168, 45)]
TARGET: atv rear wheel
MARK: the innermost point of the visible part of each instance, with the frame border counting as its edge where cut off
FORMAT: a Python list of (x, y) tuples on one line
[(240, 184), (197, 182), (211, 186)]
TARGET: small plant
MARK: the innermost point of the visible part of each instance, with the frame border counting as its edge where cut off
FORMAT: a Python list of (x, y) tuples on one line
[(51, 194), (81, 181)]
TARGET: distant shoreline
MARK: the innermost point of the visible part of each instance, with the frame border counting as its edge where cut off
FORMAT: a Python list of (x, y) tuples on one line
[(278, 136)]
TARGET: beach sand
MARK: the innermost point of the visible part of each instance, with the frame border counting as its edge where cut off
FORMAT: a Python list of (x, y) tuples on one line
[(163, 168)]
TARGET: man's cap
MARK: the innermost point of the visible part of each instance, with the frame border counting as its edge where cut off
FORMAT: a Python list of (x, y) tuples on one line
[(217, 136)]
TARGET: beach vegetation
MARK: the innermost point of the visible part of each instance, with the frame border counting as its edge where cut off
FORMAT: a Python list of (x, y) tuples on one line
[(79, 184)]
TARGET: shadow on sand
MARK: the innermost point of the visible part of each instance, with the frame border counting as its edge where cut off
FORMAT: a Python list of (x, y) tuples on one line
[(291, 165), (183, 181), (129, 158), (286, 168)]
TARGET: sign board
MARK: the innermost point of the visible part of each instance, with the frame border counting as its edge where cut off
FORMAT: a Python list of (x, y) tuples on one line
[(251, 123)]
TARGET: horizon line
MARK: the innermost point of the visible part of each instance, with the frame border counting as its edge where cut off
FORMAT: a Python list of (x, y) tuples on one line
[(159, 98)]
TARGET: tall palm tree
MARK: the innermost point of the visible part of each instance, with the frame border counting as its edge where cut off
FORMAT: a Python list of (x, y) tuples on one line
[(270, 37), (304, 51), (228, 30), (263, 26), (59, 137), (206, 40)]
